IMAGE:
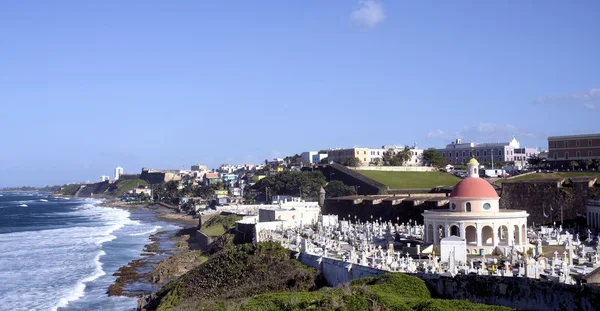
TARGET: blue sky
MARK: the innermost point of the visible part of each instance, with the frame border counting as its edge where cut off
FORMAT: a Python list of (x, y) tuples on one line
[(89, 85)]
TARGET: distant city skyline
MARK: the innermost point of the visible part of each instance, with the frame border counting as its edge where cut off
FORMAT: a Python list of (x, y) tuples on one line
[(88, 86)]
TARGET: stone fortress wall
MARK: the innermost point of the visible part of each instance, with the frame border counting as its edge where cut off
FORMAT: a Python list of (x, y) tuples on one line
[(547, 197)]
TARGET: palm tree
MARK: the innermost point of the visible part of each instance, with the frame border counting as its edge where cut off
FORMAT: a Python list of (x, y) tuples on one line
[(405, 155)]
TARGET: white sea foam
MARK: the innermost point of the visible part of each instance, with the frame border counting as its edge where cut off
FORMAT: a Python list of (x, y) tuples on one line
[(146, 232), (23, 205), (43, 200), (79, 289), (48, 269)]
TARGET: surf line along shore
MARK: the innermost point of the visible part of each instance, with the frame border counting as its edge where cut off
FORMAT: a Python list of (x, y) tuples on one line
[(168, 254)]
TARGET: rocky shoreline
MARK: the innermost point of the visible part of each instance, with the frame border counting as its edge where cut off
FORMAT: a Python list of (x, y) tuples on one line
[(168, 255)]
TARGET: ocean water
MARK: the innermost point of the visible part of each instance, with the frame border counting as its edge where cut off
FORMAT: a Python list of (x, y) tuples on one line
[(60, 254)]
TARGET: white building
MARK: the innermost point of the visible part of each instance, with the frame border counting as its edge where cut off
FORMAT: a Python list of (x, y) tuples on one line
[(104, 178), (458, 152), (593, 214), (312, 157), (118, 172), (475, 215)]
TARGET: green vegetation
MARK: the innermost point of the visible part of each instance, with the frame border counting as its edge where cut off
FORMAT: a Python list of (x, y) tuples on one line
[(565, 175), (242, 271), (433, 157), (393, 291), (123, 186), (336, 188), (219, 224), (404, 180), (353, 162), (397, 158), (69, 189), (302, 184), (29, 188)]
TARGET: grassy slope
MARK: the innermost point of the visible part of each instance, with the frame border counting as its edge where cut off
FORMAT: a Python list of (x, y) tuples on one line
[(549, 175), (70, 189), (124, 185), (219, 224), (403, 180), (393, 291)]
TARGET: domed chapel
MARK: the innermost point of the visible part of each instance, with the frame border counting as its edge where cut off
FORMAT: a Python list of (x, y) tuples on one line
[(475, 215)]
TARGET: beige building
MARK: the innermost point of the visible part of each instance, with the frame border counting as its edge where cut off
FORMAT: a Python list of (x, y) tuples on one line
[(365, 155), (562, 150), (474, 215)]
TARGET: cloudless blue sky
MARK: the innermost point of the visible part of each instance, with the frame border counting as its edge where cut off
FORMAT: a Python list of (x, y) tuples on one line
[(86, 86)]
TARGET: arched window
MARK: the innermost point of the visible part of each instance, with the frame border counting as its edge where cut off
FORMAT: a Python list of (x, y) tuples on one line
[(453, 206), (468, 206), (475, 171), (486, 206)]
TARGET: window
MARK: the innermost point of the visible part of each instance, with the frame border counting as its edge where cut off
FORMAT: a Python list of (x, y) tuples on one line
[(477, 153), (475, 171), (484, 152), (589, 142), (566, 155), (555, 156), (486, 206), (578, 154), (589, 153), (468, 206), (365, 159), (463, 154), (457, 154), (577, 143), (453, 206), (364, 152), (554, 145), (566, 144)]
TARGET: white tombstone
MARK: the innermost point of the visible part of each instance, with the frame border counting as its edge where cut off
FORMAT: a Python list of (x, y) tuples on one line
[(455, 245)]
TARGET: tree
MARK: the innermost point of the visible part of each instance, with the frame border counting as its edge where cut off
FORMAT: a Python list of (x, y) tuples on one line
[(337, 188), (587, 163), (433, 157), (172, 191), (404, 155), (390, 158), (534, 161), (353, 162), (304, 184), (377, 161), (574, 164), (324, 161)]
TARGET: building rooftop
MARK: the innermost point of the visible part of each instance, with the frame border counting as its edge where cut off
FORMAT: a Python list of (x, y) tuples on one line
[(474, 187)]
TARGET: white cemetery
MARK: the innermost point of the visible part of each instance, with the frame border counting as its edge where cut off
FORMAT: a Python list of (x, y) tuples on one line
[(472, 237)]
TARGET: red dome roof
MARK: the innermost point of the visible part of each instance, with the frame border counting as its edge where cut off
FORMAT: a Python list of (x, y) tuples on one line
[(474, 187)]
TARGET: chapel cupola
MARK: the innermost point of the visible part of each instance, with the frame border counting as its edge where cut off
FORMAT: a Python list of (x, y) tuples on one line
[(473, 166)]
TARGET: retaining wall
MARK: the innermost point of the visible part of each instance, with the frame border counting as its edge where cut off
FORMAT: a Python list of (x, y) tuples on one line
[(520, 293), (396, 168)]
